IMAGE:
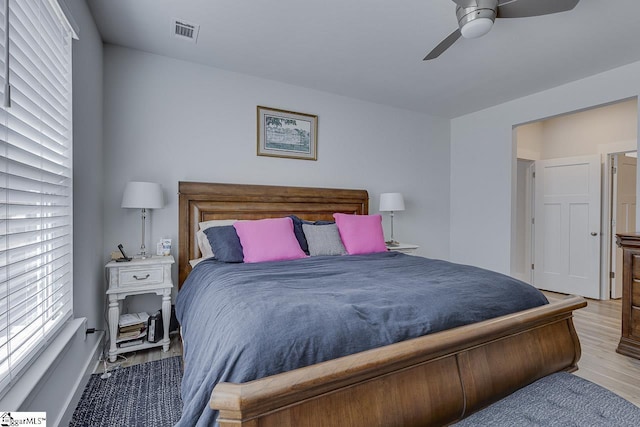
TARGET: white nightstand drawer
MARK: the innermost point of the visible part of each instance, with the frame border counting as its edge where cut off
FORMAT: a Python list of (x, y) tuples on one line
[(141, 276)]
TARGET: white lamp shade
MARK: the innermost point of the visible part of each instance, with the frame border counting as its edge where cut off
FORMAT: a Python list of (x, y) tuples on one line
[(143, 195), (391, 202)]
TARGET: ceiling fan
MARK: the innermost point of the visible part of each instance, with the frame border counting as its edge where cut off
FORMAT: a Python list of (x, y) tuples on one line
[(475, 17)]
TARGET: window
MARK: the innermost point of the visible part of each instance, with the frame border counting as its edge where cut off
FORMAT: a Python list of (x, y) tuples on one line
[(35, 183)]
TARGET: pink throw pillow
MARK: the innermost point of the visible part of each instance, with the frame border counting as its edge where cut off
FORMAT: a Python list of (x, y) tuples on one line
[(268, 240), (361, 234)]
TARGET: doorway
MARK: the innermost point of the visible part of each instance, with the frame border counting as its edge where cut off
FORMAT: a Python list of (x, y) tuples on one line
[(622, 207), (602, 132)]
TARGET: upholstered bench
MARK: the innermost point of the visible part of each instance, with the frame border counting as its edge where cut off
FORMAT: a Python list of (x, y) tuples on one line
[(561, 399)]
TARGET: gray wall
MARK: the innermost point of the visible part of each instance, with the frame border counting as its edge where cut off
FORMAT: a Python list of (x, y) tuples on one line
[(483, 162), (168, 120)]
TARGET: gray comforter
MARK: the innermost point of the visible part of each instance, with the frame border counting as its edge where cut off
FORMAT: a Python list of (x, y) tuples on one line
[(241, 322)]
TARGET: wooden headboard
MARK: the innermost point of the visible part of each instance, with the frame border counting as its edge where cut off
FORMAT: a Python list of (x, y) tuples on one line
[(199, 201)]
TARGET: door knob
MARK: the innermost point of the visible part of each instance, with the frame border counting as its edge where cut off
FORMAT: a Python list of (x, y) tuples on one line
[(593, 233)]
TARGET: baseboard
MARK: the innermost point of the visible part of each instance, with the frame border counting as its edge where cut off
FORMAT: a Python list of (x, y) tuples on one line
[(89, 367)]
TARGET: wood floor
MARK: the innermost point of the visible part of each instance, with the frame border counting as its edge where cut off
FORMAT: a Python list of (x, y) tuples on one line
[(598, 327)]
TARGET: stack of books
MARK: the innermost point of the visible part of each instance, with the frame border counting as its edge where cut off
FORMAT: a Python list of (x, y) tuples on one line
[(132, 329)]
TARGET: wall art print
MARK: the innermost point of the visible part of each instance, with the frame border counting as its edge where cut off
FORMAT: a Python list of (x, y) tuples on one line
[(287, 134)]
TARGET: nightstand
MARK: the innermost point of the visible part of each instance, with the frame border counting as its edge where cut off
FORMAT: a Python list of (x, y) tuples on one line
[(405, 248), (139, 276)]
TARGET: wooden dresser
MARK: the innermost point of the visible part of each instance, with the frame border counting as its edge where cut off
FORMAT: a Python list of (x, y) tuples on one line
[(630, 340)]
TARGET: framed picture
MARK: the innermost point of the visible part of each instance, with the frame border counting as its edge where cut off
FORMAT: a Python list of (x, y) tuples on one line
[(287, 134)]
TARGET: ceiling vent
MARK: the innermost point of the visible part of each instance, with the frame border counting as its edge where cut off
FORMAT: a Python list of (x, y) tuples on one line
[(184, 30)]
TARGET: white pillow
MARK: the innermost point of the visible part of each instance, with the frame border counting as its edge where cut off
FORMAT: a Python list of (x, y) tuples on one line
[(216, 223), (201, 238), (203, 244), (195, 262)]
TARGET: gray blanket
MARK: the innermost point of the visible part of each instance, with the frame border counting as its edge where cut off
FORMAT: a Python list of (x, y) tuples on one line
[(246, 321)]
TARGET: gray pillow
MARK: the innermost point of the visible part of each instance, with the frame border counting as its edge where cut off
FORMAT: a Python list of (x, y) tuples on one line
[(225, 243), (323, 239), (297, 230)]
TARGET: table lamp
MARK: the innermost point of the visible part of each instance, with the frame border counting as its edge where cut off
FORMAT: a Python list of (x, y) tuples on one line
[(391, 202), (143, 195)]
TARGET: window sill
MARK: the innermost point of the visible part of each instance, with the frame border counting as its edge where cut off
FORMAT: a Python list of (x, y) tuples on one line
[(18, 393)]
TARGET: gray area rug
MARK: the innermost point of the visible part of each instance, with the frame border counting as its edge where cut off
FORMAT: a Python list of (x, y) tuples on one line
[(140, 395), (558, 400)]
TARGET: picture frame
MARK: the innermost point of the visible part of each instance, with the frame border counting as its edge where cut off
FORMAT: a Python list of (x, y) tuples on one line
[(287, 134)]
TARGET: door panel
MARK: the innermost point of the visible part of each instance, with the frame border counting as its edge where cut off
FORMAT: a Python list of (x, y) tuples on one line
[(579, 240), (567, 225), (552, 242)]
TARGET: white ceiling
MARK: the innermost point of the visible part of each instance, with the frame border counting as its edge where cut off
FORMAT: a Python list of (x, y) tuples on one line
[(373, 49)]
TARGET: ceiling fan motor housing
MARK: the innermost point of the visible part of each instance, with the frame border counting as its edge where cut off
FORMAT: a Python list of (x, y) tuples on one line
[(476, 19)]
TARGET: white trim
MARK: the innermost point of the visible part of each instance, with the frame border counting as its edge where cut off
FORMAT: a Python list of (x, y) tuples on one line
[(607, 151), (526, 154), (64, 417), (618, 147), (65, 16), (529, 209), (607, 216), (19, 392), (605, 227)]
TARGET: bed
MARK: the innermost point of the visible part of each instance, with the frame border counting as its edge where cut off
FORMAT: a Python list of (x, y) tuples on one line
[(432, 379)]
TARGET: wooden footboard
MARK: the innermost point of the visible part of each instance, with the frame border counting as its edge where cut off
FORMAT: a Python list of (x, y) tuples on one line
[(432, 380)]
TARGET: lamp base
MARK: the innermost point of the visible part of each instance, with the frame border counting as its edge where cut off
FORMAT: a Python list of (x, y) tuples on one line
[(143, 248), (392, 243), (143, 253)]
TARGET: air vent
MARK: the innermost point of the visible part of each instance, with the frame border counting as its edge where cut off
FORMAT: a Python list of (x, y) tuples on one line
[(184, 30)]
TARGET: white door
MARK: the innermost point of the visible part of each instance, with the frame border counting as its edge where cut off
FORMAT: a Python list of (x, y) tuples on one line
[(567, 225), (623, 203)]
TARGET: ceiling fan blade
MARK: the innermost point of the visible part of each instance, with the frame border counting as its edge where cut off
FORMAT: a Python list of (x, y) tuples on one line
[(444, 45), (465, 3), (526, 8)]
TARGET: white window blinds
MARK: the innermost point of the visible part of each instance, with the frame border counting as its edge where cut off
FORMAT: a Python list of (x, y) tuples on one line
[(35, 184)]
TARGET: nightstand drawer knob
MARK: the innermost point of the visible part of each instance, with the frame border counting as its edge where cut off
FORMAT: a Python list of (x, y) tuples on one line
[(141, 278)]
